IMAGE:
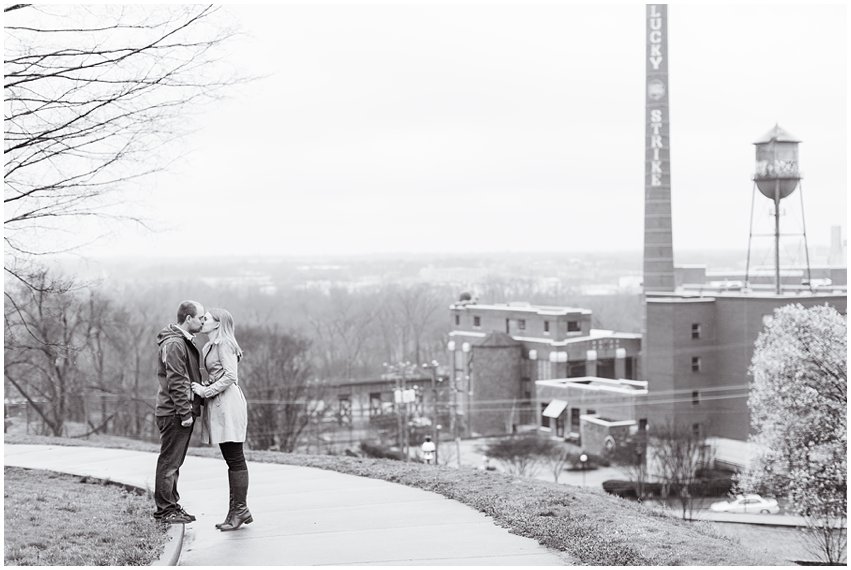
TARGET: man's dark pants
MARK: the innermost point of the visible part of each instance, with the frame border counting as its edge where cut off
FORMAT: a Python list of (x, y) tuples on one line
[(174, 441)]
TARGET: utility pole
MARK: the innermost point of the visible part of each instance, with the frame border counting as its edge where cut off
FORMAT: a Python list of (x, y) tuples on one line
[(467, 350), (433, 366), (404, 412), (453, 420), (398, 397)]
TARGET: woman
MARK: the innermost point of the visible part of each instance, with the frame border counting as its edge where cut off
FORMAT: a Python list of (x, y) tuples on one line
[(225, 416)]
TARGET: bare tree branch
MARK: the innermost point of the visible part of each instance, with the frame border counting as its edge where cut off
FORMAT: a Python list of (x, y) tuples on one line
[(93, 96)]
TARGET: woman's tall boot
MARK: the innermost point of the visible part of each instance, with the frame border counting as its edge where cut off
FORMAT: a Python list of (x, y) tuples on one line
[(240, 514), (230, 507)]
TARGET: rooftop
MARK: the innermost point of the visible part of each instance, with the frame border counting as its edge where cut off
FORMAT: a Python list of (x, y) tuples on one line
[(707, 294), (595, 334), (777, 134), (548, 310), (623, 386)]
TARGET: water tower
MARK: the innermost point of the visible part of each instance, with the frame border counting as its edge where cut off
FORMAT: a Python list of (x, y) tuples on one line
[(776, 177)]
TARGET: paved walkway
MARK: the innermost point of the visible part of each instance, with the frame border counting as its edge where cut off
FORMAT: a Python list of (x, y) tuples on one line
[(305, 516)]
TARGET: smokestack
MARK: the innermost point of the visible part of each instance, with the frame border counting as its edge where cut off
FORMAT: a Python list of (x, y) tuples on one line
[(658, 238)]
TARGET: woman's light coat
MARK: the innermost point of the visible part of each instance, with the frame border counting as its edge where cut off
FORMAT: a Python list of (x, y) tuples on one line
[(225, 416)]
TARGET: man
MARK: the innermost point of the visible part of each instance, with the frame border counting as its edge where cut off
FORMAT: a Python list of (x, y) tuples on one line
[(178, 365)]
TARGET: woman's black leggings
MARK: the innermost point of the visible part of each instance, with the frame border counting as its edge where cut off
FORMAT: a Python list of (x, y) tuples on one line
[(232, 452)]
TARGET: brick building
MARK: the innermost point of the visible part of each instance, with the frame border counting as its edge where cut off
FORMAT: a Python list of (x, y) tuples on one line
[(499, 352), (592, 412), (698, 349)]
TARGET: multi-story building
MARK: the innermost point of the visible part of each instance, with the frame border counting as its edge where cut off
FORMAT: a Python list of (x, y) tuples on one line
[(499, 352), (698, 350), (517, 364), (696, 278)]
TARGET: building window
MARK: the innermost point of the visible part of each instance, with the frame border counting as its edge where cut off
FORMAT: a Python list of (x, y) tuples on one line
[(546, 327), (590, 412), (573, 326), (695, 331), (695, 398), (574, 420), (606, 368), (545, 370), (576, 369), (695, 364), (374, 404), (521, 324), (642, 424), (457, 320), (560, 426), (477, 322), (545, 421), (344, 412), (695, 430), (629, 368)]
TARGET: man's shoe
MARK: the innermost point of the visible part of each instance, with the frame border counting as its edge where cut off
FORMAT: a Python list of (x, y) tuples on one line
[(187, 515), (176, 518)]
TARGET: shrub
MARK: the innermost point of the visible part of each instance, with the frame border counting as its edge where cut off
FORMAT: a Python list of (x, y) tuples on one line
[(626, 489), (379, 452)]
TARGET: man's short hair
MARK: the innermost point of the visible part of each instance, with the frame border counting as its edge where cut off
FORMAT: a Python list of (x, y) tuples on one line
[(186, 309)]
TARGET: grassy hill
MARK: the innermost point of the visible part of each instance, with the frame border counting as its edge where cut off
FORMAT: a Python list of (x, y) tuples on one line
[(588, 526)]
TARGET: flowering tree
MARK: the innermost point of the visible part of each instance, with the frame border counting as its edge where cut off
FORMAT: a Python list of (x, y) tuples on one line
[(798, 408)]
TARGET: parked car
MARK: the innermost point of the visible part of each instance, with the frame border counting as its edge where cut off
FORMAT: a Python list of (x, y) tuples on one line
[(747, 504)]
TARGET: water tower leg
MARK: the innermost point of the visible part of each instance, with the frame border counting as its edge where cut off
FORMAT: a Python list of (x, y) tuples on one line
[(804, 227), (777, 236), (750, 240)]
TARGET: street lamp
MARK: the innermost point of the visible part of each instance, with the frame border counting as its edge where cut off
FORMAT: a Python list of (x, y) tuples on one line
[(583, 459)]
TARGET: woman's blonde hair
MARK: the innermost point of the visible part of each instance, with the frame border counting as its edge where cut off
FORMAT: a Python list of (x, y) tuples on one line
[(226, 330)]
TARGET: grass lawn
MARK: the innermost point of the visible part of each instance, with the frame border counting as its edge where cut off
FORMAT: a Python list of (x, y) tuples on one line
[(788, 543), (52, 519), (589, 526)]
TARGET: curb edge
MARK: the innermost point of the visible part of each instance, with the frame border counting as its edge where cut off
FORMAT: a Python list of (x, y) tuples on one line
[(173, 546)]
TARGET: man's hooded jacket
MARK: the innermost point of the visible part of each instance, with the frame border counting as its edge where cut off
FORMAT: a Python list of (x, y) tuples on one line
[(178, 365)]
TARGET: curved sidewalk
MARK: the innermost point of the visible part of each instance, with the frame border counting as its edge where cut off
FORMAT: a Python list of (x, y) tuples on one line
[(305, 516)]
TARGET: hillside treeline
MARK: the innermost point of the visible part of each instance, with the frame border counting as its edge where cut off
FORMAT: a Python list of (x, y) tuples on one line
[(85, 352)]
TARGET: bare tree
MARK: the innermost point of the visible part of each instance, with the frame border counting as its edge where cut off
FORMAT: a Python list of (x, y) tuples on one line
[(678, 452), (417, 306), (92, 95), (121, 350), (45, 329), (557, 455), (631, 457), (826, 533), (342, 328), (520, 455), (283, 398)]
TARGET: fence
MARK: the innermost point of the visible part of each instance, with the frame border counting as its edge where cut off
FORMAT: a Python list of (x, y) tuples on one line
[(114, 415)]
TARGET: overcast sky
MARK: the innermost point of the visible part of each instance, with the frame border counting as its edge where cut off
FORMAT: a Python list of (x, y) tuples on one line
[(481, 127)]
